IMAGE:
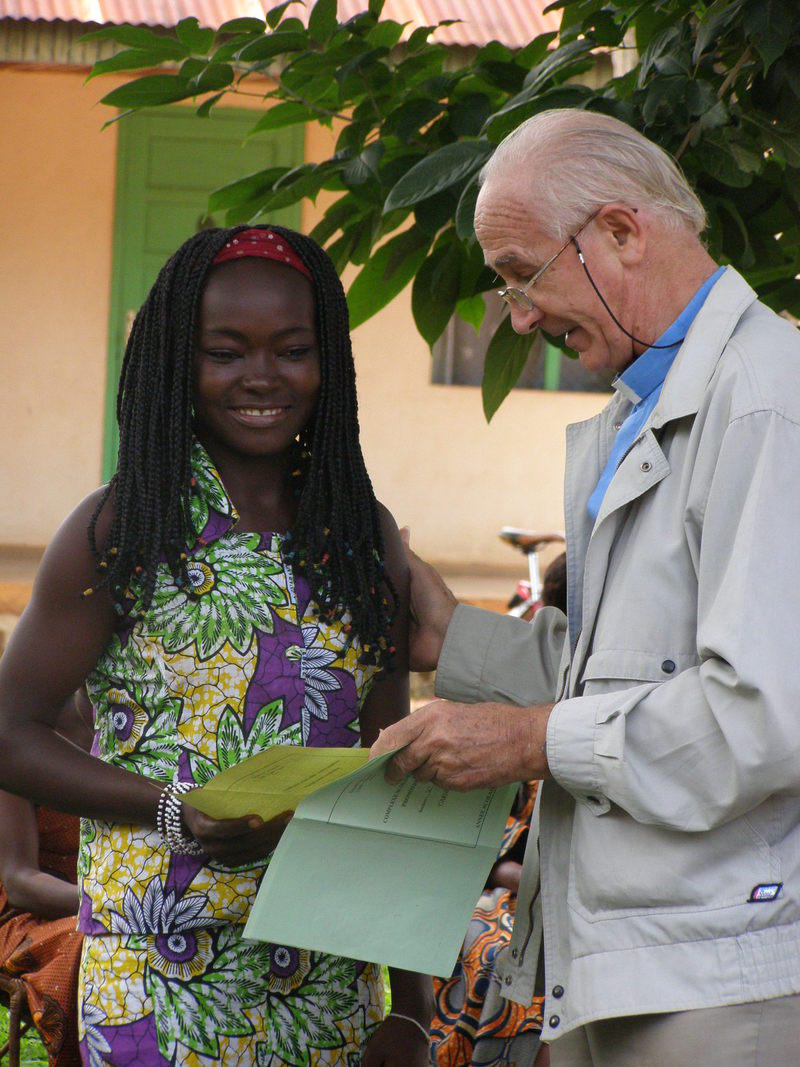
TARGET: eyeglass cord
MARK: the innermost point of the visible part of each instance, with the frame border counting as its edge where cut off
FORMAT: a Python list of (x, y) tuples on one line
[(636, 340)]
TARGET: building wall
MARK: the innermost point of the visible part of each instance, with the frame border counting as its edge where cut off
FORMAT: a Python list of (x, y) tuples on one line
[(434, 461)]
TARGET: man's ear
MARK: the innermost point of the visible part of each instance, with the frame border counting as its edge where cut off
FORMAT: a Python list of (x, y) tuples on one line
[(623, 227)]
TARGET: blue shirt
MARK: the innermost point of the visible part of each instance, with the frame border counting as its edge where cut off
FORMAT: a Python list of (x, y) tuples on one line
[(642, 383)]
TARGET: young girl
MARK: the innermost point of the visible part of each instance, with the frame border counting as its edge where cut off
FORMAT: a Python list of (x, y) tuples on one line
[(239, 587)]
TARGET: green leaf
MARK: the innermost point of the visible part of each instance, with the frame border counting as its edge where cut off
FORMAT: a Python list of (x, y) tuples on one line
[(465, 210), (344, 211), (363, 167), (385, 34), (769, 23), (407, 120), (158, 45), (205, 108), (554, 63), (436, 212), (288, 113), (130, 59), (721, 163), (712, 25), (322, 20), (419, 39), (534, 52), (506, 357), (195, 38), (472, 309), (508, 118), (389, 271), (238, 192), (661, 42), (275, 14), (443, 168), (215, 76), (242, 25), (273, 44), (149, 91), (435, 290)]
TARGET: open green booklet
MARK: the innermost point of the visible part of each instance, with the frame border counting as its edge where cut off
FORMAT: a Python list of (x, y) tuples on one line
[(385, 873)]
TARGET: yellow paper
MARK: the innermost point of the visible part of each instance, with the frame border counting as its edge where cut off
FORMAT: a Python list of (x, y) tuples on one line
[(273, 781)]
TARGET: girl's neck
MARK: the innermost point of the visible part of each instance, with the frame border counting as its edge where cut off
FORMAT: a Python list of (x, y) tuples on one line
[(261, 488)]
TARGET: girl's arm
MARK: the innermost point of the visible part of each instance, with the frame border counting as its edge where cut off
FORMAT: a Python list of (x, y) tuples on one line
[(54, 646), (52, 649), (388, 700), (397, 1042), (28, 888)]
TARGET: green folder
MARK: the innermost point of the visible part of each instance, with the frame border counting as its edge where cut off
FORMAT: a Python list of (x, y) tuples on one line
[(378, 872)]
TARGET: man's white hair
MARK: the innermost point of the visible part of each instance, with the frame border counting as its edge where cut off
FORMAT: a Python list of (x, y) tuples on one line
[(576, 161)]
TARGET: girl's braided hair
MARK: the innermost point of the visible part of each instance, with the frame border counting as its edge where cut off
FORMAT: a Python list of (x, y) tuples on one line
[(336, 540)]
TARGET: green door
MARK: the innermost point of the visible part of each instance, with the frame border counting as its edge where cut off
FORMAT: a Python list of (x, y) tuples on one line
[(168, 161)]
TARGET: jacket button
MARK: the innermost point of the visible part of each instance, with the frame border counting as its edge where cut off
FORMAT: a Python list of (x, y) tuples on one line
[(554, 1020), (617, 425), (668, 666), (514, 953), (509, 979), (647, 466), (558, 991)]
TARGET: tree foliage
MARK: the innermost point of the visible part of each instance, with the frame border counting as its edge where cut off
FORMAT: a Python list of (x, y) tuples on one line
[(715, 84)]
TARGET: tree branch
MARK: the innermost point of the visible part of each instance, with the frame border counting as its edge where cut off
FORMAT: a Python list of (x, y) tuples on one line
[(732, 75)]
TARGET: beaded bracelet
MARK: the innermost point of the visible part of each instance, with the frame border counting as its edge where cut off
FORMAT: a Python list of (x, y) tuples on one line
[(169, 823)]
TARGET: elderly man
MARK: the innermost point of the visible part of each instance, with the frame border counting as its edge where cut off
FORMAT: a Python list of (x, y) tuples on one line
[(664, 711)]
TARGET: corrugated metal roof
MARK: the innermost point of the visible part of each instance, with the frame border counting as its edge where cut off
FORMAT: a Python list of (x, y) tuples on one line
[(514, 22)]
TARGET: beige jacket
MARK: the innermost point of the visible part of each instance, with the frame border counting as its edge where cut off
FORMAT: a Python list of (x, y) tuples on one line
[(675, 740)]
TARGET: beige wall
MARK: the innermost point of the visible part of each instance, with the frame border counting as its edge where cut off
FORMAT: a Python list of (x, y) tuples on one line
[(434, 461)]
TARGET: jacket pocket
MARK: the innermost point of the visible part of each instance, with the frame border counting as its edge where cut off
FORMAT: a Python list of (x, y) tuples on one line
[(620, 867), (611, 670)]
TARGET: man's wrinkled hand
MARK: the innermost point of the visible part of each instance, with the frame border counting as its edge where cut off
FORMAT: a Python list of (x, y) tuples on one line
[(467, 746)]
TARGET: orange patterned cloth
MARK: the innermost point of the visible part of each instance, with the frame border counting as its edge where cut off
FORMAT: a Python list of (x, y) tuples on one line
[(473, 1026), (45, 953)]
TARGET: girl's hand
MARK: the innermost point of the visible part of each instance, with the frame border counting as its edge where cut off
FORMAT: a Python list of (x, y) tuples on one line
[(397, 1043), (235, 842)]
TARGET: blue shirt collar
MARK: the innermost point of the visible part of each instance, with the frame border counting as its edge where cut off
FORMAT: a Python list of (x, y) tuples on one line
[(649, 370)]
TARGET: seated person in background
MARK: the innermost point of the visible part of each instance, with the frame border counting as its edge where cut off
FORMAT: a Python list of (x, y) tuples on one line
[(39, 942), (473, 1024)]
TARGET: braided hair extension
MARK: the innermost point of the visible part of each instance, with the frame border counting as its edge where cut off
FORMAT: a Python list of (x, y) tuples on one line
[(335, 541)]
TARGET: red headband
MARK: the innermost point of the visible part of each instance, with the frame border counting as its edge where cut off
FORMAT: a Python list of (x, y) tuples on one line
[(266, 245)]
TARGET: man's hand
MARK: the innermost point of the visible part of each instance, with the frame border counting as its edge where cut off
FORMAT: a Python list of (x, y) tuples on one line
[(468, 746), (432, 607)]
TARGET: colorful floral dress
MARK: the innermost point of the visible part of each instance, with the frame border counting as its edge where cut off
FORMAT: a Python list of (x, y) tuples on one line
[(215, 672)]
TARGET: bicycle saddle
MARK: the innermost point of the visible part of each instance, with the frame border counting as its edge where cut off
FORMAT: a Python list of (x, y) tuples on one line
[(528, 540)]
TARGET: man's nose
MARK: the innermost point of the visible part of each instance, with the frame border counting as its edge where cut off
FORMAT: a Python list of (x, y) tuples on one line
[(525, 320)]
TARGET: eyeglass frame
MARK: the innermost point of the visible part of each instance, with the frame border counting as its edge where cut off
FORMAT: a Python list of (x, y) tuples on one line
[(513, 295)]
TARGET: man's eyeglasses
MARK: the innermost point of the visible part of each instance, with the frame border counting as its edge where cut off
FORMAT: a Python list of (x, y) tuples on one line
[(519, 297)]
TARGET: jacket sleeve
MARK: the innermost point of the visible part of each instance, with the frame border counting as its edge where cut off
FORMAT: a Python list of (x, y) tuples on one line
[(487, 656), (712, 743)]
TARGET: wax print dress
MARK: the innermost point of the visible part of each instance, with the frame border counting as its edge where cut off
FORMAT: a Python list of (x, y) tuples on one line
[(215, 672)]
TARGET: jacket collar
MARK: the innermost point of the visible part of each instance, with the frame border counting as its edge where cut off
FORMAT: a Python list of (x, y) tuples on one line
[(699, 354)]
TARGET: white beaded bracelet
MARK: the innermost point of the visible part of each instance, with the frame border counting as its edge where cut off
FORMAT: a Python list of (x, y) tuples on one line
[(169, 823), (410, 1019)]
